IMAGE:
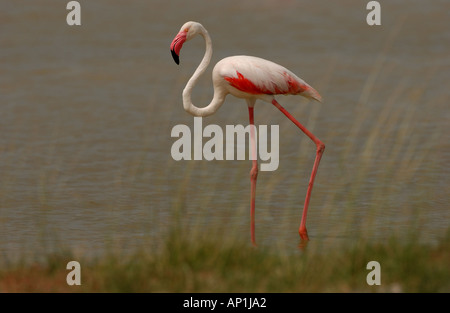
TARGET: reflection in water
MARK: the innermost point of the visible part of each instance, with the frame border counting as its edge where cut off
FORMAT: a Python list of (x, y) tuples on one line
[(86, 114), (303, 244)]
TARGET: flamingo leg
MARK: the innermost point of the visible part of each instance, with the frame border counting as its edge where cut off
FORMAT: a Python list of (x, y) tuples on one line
[(320, 148), (253, 174)]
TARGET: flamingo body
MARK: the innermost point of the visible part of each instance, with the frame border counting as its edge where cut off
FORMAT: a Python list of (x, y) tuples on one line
[(250, 76)]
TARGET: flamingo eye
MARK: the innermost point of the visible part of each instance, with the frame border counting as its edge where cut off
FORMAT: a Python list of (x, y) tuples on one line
[(186, 30)]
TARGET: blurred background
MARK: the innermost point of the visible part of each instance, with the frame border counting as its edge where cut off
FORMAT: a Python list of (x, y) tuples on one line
[(86, 114)]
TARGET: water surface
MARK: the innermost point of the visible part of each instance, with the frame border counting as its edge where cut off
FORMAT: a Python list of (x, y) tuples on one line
[(86, 115)]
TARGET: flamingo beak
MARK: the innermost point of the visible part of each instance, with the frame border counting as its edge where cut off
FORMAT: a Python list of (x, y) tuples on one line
[(176, 45)]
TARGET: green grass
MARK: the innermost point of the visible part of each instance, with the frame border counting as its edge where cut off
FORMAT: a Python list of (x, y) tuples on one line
[(207, 264)]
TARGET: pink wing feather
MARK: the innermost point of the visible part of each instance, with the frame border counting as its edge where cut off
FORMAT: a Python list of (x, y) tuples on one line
[(259, 76)]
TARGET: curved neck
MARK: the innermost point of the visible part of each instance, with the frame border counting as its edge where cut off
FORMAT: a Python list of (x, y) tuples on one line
[(219, 96)]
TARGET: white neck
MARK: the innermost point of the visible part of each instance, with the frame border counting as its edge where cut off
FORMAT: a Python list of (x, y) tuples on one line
[(219, 94)]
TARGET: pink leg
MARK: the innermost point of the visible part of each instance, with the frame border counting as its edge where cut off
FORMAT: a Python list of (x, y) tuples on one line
[(253, 175), (320, 148)]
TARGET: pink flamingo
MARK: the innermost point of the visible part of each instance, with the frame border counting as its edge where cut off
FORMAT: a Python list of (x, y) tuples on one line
[(250, 78)]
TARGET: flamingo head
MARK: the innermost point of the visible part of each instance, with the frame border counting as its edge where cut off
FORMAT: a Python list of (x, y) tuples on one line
[(187, 32)]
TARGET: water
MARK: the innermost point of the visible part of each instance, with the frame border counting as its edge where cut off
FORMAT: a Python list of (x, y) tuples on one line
[(86, 114)]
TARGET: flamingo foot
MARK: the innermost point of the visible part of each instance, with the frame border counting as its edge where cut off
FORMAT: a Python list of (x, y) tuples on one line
[(303, 234)]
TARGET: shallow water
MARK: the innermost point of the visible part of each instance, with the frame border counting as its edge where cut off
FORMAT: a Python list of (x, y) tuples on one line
[(86, 115)]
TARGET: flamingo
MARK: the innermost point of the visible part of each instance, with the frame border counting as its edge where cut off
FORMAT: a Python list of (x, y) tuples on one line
[(250, 78)]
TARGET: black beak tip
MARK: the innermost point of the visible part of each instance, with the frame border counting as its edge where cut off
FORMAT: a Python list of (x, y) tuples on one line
[(175, 57)]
